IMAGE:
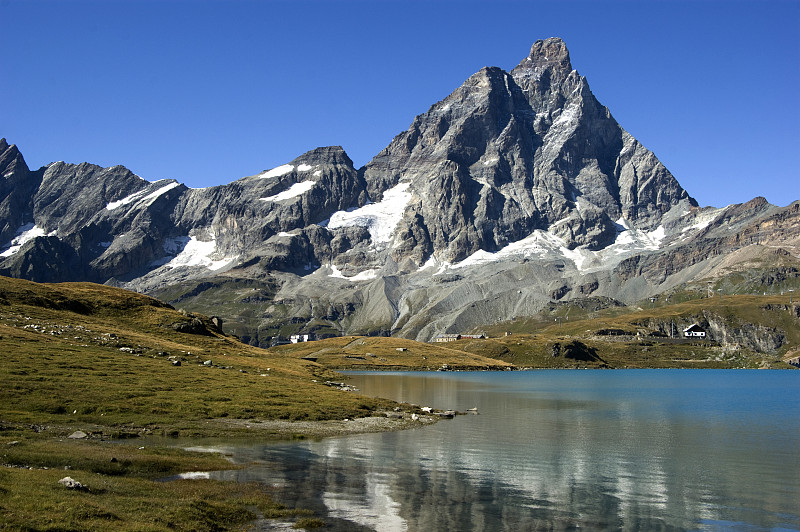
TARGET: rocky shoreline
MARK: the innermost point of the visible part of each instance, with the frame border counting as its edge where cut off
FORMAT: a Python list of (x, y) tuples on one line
[(284, 429)]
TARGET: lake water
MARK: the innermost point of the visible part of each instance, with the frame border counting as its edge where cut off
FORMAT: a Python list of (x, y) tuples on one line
[(555, 450)]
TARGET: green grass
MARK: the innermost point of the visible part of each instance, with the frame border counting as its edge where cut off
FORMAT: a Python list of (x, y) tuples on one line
[(119, 489), (112, 366), (99, 359), (35, 501), (241, 301)]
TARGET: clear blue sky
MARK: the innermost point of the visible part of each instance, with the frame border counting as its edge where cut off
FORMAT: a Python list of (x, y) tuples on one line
[(206, 92)]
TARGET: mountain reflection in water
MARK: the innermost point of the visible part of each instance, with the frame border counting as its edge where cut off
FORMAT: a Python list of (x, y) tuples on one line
[(628, 450)]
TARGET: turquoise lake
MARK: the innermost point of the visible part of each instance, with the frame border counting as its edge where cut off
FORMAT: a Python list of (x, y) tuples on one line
[(557, 450)]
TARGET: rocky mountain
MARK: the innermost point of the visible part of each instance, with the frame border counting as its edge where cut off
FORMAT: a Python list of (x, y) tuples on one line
[(516, 190), (508, 153)]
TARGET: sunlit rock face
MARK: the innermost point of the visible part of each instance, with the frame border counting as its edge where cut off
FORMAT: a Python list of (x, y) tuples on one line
[(508, 153), (517, 190)]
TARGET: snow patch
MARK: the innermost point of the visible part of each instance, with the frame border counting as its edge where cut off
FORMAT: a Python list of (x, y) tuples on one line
[(380, 218), (568, 115), (537, 244), (277, 171), (25, 234), (657, 235), (430, 263), (630, 239), (140, 199), (292, 192), (703, 220), (193, 252), (124, 201), (318, 173), (159, 192), (544, 245), (284, 234), (304, 167), (366, 275)]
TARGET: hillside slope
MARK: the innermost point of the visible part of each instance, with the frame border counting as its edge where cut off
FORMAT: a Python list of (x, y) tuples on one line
[(742, 331), (85, 355)]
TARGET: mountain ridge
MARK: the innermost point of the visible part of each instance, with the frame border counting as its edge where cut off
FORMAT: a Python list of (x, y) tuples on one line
[(519, 179)]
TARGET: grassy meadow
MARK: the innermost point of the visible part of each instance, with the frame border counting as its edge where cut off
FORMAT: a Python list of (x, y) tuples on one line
[(116, 366)]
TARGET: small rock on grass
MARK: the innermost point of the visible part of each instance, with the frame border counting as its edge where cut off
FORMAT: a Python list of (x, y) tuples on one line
[(72, 484)]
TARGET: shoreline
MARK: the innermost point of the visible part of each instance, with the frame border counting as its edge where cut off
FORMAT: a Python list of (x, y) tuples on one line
[(292, 430), (273, 429)]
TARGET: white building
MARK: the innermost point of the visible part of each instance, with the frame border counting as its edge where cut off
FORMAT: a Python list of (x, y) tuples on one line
[(694, 331)]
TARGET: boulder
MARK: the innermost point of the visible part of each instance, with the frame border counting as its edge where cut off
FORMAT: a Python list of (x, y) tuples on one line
[(72, 484)]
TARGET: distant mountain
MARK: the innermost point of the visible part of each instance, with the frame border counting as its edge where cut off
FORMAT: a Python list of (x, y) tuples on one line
[(516, 190)]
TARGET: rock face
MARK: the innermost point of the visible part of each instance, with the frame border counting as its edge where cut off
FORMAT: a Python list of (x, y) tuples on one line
[(516, 190), (508, 153)]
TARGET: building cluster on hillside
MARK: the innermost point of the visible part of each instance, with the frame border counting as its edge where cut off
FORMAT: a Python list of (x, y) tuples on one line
[(453, 337), (293, 339), (694, 331)]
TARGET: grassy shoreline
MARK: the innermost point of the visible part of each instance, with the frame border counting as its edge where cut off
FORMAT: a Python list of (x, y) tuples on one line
[(119, 366)]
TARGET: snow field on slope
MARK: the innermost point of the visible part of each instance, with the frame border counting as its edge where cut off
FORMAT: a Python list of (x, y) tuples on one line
[(544, 245), (292, 192), (192, 252), (285, 169), (140, 198), (366, 275), (380, 218), (24, 234)]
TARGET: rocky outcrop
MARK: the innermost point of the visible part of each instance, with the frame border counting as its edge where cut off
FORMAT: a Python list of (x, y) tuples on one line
[(244, 214), (756, 337), (755, 223), (107, 224), (577, 351)]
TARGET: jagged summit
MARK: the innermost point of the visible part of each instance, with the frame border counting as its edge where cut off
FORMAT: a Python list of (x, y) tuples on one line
[(11, 159), (551, 53), (509, 153), (325, 155)]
